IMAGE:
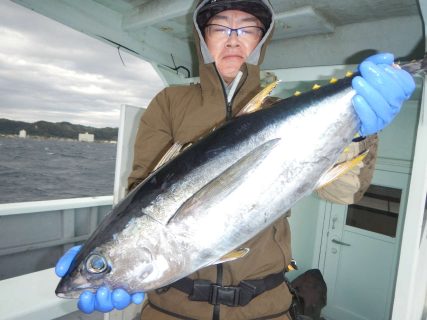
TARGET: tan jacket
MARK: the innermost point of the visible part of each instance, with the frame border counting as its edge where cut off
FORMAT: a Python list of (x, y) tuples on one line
[(182, 114)]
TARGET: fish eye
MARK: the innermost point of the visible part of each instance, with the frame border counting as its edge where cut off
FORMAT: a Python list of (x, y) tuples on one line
[(96, 264)]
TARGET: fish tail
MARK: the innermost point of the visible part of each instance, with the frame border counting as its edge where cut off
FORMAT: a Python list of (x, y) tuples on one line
[(416, 67)]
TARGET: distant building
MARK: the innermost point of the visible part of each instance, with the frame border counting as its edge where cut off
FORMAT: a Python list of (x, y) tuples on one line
[(22, 133), (86, 137)]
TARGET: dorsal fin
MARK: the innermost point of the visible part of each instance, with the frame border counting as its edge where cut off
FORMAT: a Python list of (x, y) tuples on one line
[(252, 106), (170, 154), (256, 102)]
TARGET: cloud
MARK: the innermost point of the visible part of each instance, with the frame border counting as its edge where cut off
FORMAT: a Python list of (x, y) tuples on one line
[(51, 72)]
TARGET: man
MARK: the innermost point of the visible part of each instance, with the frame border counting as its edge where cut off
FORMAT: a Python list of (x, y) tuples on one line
[(231, 38)]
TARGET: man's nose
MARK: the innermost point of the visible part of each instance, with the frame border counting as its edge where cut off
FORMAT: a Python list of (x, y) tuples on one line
[(233, 40)]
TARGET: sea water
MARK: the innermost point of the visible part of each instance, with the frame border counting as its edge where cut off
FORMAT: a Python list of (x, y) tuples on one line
[(46, 169)]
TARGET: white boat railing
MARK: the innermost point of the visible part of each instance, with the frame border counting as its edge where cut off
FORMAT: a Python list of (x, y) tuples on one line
[(32, 295), (7, 209), (57, 223)]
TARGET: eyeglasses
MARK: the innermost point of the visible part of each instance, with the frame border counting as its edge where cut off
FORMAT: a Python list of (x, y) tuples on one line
[(219, 32)]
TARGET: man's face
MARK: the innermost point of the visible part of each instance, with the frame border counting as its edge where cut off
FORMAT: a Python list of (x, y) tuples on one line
[(231, 52)]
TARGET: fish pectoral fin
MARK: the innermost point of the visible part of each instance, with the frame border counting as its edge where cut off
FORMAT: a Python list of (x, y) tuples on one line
[(256, 102), (340, 169), (230, 179), (233, 255)]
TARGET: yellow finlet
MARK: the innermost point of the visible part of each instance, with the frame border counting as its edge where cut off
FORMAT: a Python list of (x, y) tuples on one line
[(339, 169), (297, 93), (316, 86), (333, 80), (349, 74), (292, 266), (256, 102)]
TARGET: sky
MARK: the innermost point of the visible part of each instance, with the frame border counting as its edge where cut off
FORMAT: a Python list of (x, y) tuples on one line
[(51, 72)]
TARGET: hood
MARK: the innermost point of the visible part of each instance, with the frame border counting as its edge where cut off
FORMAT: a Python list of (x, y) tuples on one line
[(211, 82), (257, 55)]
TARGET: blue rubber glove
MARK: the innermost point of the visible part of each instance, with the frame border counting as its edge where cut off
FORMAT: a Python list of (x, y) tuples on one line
[(104, 300), (380, 92)]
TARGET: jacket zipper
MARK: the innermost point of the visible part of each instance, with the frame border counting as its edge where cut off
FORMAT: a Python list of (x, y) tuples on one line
[(228, 104), (229, 116)]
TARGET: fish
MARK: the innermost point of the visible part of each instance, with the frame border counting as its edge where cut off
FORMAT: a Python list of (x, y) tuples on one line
[(203, 203)]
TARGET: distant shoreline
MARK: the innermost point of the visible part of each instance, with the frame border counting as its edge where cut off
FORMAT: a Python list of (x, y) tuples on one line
[(16, 136), (64, 131)]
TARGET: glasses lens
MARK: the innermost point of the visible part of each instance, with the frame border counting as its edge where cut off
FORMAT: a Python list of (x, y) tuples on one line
[(219, 32), (252, 33)]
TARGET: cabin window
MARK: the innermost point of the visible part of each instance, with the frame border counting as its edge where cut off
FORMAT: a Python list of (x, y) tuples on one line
[(377, 211)]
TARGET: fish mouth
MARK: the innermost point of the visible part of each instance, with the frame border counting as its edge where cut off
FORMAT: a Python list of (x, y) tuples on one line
[(69, 291), (72, 293), (68, 294)]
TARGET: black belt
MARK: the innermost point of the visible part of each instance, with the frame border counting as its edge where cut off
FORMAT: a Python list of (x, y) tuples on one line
[(232, 296)]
